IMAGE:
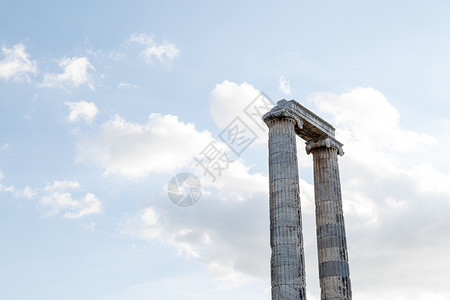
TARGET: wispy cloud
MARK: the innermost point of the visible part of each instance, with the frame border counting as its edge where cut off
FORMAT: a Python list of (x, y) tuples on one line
[(284, 86), (163, 52), (61, 197), (58, 197), (126, 85), (16, 65), (4, 188), (4, 147), (90, 226), (82, 110), (75, 73)]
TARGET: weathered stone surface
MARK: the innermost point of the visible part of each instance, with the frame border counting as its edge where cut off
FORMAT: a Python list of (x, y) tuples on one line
[(286, 239), (326, 142), (285, 121), (331, 241)]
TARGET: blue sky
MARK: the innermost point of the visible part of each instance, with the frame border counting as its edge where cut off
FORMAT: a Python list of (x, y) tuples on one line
[(102, 103)]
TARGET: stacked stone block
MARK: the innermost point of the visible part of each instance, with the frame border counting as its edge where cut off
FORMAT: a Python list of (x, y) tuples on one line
[(287, 262), (334, 272)]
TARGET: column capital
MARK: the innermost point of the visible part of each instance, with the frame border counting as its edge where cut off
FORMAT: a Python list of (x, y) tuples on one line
[(326, 142), (282, 112)]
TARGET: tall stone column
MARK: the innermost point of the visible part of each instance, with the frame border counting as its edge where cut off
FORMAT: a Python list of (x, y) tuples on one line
[(286, 239), (331, 240)]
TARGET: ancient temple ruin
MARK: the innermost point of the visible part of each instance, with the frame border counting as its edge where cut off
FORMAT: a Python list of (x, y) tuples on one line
[(286, 120)]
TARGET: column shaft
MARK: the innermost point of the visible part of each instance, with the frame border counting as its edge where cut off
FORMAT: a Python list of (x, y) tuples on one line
[(286, 239), (331, 239)]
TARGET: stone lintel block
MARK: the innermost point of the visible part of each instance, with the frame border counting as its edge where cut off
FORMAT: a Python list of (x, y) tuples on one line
[(309, 126)]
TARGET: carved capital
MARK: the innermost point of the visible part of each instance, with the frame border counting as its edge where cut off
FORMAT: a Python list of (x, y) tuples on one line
[(282, 112), (326, 142)]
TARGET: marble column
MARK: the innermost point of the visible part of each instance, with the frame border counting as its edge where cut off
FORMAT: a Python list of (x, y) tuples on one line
[(286, 239), (331, 239)]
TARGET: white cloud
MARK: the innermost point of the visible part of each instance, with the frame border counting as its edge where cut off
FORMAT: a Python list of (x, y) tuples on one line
[(98, 53), (82, 110), (58, 198), (65, 197), (16, 65), (431, 181), (229, 100), (364, 115), (76, 73), (162, 52), (161, 145), (4, 188), (125, 85), (284, 86), (236, 183), (29, 192)]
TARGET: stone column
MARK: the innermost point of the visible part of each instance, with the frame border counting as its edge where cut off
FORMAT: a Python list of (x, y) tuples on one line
[(286, 239), (331, 241)]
